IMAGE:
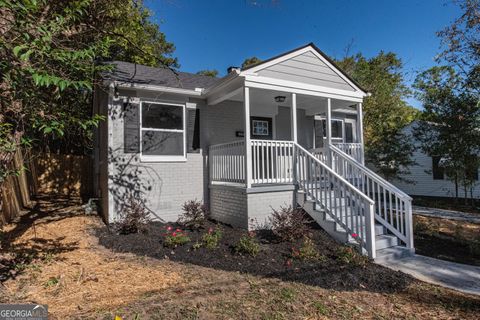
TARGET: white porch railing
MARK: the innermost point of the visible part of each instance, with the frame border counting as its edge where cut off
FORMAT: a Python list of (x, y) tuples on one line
[(354, 150), (272, 161), (227, 162), (393, 207)]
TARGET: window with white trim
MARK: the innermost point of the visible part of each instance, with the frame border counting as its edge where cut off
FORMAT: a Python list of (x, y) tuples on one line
[(337, 128), (162, 131)]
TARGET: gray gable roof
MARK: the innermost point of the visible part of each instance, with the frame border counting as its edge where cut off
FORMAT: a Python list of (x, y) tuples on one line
[(137, 73)]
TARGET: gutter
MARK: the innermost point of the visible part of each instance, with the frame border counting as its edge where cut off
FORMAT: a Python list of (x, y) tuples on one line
[(197, 92)]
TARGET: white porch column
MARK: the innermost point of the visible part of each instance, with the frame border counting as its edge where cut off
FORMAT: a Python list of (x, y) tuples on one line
[(248, 148), (360, 131), (293, 111), (328, 122)]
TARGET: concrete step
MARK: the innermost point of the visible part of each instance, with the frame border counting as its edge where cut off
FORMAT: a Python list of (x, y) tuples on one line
[(393, 253), (385, 241)]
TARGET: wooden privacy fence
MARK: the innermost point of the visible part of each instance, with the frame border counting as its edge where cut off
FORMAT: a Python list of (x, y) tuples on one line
[(44, 174)]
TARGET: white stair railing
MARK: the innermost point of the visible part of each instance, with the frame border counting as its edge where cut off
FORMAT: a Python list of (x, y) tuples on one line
[(393, 207), (346, 205), (227, 162)]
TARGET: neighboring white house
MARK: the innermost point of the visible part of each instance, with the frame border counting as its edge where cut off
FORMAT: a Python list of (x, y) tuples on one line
[(286, 131), (428, 177)]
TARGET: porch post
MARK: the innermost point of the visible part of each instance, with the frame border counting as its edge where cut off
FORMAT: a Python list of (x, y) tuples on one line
[(328, 122), (293, 111), (360, 131), (248, 148)]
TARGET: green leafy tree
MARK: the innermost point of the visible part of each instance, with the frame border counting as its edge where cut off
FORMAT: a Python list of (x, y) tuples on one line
[(461, 43), (387, 147), (250, 62), (451, 126), (208, 73), (49, 58)]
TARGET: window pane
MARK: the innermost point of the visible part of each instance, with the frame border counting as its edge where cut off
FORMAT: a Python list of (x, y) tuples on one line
[(348, 132), (337, 131), (161, 116), (437, 170), (158, 143)]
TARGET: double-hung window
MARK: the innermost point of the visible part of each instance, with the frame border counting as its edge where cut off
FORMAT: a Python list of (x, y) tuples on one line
[(162, 131)]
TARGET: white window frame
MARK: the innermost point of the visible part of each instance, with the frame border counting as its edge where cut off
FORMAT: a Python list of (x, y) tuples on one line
[(342, 139), (262, 121), (164, 158)]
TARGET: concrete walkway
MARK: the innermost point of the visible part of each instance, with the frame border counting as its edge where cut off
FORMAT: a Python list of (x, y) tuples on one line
[(461, 277), (446, 214)]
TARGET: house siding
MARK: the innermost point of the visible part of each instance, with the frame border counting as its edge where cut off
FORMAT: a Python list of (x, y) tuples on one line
[(306, 68), (421, 176)]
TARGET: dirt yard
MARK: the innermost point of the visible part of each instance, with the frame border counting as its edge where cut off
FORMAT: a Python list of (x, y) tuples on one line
[(58, 256)]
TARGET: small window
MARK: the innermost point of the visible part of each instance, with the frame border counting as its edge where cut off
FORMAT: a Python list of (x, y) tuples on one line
[(348, 132), (437, 170), (260, 128), (337, 128), (162, 131)]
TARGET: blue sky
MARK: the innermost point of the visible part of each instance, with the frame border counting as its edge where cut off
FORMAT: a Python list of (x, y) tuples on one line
[(216, 34)]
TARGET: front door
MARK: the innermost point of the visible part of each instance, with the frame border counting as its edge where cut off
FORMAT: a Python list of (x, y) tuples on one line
[(261, 129)]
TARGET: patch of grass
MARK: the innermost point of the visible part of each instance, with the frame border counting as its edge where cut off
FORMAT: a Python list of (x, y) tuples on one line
[(288, 294), (53, 281), (320, 308)]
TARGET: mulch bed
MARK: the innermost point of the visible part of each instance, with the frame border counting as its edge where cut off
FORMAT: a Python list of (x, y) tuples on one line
[(330, 272), (445, 239)]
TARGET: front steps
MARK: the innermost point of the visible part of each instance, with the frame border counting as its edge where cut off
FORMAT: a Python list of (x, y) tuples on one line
[(387, 246)]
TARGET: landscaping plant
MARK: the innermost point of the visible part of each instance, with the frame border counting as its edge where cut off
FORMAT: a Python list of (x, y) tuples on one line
[(194, 214), (134, 217), (349, 255), (307, 251), (212, 238), (175, 237), (288, 223), (248, 244)]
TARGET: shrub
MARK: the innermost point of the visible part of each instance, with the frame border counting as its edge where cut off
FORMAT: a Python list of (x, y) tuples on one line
[(211, 238), (350, 255), (307, 251), (174, 238), (289, 224), (194, 214), (134, 217), (248, 244)]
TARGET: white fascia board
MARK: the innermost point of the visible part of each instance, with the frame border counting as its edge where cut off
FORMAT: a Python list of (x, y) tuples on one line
[(301, 88), (149, 87)]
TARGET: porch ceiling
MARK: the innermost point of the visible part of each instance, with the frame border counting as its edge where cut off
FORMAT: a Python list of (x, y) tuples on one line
[(267, 98)]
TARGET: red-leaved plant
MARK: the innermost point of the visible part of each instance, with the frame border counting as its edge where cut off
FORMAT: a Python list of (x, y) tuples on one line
[(289, 224), (194, 214)]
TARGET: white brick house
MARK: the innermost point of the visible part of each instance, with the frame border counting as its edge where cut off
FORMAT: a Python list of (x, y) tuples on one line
[(286, 131)]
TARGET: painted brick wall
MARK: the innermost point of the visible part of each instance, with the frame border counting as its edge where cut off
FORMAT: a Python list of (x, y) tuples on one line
[(260, 205), (229, 205)]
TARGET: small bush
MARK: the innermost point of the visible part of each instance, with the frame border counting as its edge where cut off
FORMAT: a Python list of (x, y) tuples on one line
[(475, 247), (212, 238), (248, 244), (307, 251), (289, 224), (134, 218), (194, 214), (350, 255), (174, 238)]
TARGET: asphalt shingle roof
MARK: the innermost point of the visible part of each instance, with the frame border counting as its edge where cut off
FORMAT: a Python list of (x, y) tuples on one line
[(131, 72)]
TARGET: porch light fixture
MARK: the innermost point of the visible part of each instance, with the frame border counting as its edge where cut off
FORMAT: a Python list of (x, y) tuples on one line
[(280, 99)]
